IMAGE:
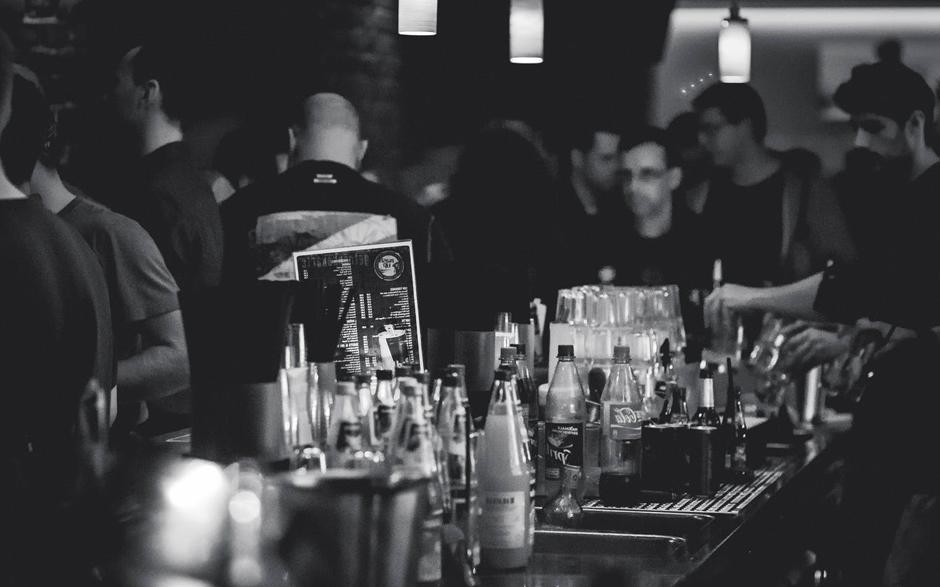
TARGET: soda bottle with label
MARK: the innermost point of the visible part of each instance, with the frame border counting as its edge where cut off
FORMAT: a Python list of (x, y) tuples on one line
[(621, 433), (345, 436), (565, 416), (504, 484), (414, 448), (706, 415)]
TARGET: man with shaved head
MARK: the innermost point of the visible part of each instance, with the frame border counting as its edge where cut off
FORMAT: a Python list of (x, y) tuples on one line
[(324, 175)]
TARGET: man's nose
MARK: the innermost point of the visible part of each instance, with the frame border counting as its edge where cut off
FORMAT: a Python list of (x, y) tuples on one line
[(862, 139)]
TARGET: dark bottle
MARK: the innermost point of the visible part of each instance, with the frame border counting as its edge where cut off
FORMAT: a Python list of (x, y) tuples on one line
[(735, 433), (706, 415), (679, 411)]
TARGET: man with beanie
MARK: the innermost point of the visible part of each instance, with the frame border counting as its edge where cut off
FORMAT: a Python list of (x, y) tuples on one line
[(890, 503)]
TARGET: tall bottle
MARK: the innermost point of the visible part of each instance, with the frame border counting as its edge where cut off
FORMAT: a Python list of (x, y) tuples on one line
[(512, 388), (679, 410), (370, 437), (528, 395), (565, 416), (415, 448), (706, 415), (735, 434), (504, 484), (622, 420), (384, 403), (345, 437)]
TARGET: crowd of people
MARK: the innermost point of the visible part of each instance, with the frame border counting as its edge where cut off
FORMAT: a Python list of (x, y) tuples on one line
[(92, 293)]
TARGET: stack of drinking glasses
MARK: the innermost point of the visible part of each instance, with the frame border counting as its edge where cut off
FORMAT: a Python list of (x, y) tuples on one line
[(598, 318)]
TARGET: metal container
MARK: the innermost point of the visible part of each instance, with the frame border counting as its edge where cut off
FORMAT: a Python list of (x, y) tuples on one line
[(665, 460), (706, 459), (352, 527)]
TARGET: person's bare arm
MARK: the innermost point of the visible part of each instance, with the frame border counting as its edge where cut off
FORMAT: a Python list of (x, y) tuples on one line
[(794, 300), (162, 367)]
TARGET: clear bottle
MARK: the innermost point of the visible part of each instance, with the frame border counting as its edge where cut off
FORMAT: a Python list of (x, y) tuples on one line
[(622, 430), (564, 510), (512, 387), (461, 371), (366, 411), (452, 429), (679, 412), (415, 448), (706, 415), (565, 417), (345, 436), (504, 484), (384, 402)]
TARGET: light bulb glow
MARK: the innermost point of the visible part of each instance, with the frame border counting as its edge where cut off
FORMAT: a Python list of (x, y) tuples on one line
[(417, 17), (734, 51), (526, 31)]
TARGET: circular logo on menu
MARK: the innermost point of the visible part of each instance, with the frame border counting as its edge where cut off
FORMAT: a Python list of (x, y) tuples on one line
[(388, 266)]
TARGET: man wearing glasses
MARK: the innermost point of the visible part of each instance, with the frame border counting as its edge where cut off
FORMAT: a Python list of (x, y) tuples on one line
[(890, 502)]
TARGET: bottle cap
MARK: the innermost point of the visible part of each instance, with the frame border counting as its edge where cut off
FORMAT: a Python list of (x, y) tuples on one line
[(403, 371), (507, 354), (621, 353), (566, 350), (384, 375), (363, 379), (421, 377), (520, 348), (450, 380), (501, 375)]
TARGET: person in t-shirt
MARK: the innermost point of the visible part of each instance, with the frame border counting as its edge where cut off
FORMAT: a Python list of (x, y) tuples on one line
[(769, 217), (327, 154), (149, 343), (168, 195), (55, 337)]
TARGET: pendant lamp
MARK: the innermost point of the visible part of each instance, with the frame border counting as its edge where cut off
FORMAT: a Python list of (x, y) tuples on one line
[(417, 17), (734, 48), (526, 31)]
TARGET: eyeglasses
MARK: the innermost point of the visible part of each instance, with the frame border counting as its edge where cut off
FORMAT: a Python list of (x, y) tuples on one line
[(644, 174)]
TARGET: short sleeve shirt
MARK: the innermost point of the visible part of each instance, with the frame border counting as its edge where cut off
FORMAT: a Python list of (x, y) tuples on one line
[(138, 279), (899, 282)]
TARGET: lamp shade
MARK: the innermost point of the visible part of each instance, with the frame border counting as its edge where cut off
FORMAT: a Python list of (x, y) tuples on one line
[(417, 17), (526, 31), (734, 50)]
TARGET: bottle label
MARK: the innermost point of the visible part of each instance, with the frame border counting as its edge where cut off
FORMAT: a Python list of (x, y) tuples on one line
[(565, 446), (622, 421), (350, 436), (504, 519)]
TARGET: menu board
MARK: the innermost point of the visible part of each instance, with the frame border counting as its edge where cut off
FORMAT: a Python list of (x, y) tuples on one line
[(381, 328)]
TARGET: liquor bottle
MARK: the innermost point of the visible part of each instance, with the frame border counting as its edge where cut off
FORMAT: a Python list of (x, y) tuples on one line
[(706, 415), (564, 510), (622, 421), (345, 437), (735, 433), (679, 412), (384, 402), (415, 449), (504, 484), (565, 416)]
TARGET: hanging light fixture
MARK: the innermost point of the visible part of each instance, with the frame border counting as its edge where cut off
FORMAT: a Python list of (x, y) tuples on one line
[(734, 48), (526, 31), (417, 17)]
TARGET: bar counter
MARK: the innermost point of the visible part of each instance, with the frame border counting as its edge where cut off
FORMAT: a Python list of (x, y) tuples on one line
[(763, 541)]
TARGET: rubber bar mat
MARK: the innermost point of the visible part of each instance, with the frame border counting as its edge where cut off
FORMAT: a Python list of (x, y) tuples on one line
[(730, 499)]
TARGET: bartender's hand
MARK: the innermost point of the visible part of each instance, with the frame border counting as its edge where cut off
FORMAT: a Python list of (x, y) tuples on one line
[(807, 346), (724, 301)]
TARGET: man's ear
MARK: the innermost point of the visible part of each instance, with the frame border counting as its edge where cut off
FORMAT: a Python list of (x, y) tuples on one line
[(577, 159), (152, 93), (361, 154), (674, 177), (915, 130)]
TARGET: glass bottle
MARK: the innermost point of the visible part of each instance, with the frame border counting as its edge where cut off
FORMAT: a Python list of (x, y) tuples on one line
[(706, 415), (384, 402), (679, 412), (366, 411), (345, 436), (735, 432), (564, 510), (504, 484), (512, 389), (565, 416), (528, 395), (621, 433)]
